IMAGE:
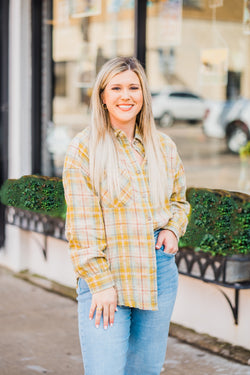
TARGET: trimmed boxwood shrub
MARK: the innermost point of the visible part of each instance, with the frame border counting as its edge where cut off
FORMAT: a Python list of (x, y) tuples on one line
[(219, 222), (35, 193)]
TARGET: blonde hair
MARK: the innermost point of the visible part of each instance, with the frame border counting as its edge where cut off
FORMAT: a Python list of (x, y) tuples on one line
[(103, 154)]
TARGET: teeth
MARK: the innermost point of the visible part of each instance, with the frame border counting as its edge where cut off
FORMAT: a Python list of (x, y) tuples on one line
[(125, 106)]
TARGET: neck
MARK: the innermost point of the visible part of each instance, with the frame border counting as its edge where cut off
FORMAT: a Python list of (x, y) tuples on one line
[(129, 130)]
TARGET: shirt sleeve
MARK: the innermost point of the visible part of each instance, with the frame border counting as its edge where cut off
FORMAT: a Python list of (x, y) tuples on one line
[(84, 224), (179, 206)]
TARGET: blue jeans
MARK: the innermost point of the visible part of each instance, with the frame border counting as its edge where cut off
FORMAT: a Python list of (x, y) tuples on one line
[(136, 343)]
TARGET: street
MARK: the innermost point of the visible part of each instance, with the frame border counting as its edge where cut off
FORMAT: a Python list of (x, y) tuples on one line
[(206, 160)]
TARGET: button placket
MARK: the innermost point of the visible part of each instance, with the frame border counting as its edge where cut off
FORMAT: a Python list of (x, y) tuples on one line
[(134, 166)]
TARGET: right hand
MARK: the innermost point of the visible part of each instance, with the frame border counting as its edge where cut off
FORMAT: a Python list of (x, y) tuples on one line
[(107, 299)]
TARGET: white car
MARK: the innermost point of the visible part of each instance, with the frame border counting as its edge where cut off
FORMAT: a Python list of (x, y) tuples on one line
[(169, 105), (230, 119)]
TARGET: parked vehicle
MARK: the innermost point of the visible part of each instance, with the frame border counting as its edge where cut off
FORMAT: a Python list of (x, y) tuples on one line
[(230, 119), (170, 105)]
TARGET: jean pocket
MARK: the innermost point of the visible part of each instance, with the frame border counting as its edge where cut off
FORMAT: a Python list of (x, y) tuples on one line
[(162, 252)]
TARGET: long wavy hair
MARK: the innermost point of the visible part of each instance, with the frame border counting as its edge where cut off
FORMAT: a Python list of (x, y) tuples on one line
[(103, 152)]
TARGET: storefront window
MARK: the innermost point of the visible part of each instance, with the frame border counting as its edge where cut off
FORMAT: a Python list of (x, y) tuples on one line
[(85, 34), (198, 67), (197, 61)]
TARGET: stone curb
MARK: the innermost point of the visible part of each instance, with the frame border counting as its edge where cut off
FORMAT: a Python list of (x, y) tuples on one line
[(210, 343), (187, 335), (47, 284)]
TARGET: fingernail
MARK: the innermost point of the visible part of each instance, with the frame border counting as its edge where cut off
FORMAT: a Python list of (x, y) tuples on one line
[(111, 324), (97, 325), (116, 309), (90, 318), (105, 327), (157, 246)]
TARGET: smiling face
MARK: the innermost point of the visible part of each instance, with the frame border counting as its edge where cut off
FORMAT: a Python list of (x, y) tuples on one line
[(123, 98)]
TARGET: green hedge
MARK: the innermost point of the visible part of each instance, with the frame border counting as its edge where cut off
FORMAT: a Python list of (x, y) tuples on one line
[(245, 151), (219, 222), (35, 193)]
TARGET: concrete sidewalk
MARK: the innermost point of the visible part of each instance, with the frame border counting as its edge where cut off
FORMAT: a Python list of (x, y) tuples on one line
[(38, 334)]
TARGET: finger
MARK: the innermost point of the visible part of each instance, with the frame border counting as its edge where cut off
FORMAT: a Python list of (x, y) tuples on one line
[(112, 310), (171, 250), (159, 242), (168, 248), (165, 243), (106, 316), (98, 314), (92, 310)]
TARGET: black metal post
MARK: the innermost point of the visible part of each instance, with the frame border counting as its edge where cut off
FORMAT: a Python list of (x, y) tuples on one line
[(140, 30), (36, 16), (236, 306), (4, 93)]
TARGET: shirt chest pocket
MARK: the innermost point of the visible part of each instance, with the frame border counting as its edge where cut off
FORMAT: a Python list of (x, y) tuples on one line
[(125, 196)]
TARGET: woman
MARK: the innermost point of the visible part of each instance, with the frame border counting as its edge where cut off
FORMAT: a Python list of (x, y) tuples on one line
[(125, 192)]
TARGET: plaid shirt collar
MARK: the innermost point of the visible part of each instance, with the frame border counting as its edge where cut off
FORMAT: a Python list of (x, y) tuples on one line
[(120, 134)]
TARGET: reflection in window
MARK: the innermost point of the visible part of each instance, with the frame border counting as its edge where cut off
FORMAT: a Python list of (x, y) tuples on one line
[(193, 3), (85, 35), (200, 87), (60, 79), (209, 122)]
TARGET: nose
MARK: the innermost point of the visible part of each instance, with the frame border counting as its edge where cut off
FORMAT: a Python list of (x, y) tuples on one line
[(125, 94)]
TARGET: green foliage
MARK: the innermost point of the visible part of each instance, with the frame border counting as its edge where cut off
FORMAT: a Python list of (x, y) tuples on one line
[(219, 222), (245, 151), (35, 193)]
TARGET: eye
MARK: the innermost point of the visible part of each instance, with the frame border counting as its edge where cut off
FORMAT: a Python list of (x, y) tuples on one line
[(116, 88), (134, 88)]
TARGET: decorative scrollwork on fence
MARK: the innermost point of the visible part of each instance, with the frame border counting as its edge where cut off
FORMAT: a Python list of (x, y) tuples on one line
[(201, 265), (27, 220)]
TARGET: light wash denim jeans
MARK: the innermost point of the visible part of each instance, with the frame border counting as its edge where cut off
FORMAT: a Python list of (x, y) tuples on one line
[(136, 343)]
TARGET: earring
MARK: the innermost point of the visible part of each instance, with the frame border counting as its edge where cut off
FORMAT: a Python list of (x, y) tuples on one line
[(104, 105)]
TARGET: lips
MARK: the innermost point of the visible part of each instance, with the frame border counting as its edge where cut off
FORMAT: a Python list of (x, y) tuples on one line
[(125, 107)]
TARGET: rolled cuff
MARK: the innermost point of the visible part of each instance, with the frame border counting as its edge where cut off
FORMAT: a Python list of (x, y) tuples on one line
[(99, 282)]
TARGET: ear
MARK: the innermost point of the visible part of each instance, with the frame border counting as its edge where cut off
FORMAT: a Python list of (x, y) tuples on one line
[(102, 98)]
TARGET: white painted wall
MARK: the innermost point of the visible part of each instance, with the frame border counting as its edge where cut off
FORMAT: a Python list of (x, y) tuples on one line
[(14, 254), (23, 251), (202, 307), (19, 88), (58, 266)]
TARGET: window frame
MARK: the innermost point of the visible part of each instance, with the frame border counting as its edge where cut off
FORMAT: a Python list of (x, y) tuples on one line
[(37, 77), (4, 104)]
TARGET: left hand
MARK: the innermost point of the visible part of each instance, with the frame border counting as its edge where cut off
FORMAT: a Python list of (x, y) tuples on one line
[(169, 240)]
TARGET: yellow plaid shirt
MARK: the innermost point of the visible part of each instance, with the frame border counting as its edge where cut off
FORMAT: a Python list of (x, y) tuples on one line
[(112, 241)]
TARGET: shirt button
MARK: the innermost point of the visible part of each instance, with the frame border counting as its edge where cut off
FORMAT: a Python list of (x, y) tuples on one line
[(149, 218), (138, 171)]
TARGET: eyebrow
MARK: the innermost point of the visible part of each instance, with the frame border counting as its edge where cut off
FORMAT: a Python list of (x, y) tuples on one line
[(131, 84)]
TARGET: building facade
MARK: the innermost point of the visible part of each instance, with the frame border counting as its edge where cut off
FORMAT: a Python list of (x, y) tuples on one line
[(51, 51)]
